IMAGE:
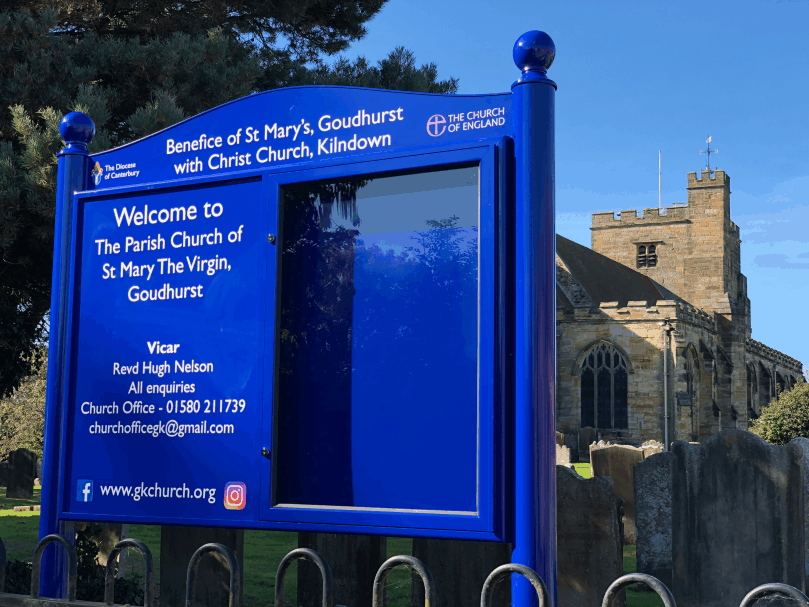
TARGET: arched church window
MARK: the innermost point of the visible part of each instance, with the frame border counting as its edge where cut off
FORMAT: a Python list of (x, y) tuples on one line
[(765, 394), (752, 389), (604, 389), (780, 384), (689, 378)]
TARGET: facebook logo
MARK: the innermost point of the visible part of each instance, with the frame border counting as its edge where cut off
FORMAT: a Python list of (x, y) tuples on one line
[(84, 490)]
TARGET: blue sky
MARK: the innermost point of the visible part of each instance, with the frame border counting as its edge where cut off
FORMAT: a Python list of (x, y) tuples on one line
[(638, 77)]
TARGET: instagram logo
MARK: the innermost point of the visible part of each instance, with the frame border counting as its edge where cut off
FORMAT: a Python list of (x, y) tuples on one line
[(235, 495)]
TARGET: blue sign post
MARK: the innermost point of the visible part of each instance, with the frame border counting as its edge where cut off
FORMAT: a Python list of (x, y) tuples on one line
[(535, 323), (314, 309)]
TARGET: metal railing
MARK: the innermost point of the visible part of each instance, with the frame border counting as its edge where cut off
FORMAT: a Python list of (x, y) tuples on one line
[(234, 591)]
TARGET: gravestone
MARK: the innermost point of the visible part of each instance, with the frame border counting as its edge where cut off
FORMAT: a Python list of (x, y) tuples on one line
[(587, 436), (562, 456), (617, 462), (653, 479), (572, 443), (737, 518), (589, 545), (354, 561), (459, 569), (650, 447), (21, 474), (3, 474), (178, 545), (803, 443)]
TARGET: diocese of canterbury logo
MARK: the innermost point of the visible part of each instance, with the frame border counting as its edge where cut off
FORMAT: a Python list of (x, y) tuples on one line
[(436, 125), (97, 173)]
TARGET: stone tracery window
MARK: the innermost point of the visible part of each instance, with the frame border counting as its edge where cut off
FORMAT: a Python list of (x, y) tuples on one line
[(604, 388)]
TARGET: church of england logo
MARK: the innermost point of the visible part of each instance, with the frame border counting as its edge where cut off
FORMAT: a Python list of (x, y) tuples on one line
[(436, 125)]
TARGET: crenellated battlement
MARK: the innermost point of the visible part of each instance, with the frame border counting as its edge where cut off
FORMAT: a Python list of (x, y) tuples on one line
[(697, 317), (759, 349), (715, 179), (642, 311), (653, 216)]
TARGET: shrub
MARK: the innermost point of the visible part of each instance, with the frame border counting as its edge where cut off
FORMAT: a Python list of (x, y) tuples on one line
[(90, 583), (786, 418)]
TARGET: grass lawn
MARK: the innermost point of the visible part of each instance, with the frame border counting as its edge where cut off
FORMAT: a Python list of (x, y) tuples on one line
[(8, 503), (583, 469), (263, 551), (635, 598)]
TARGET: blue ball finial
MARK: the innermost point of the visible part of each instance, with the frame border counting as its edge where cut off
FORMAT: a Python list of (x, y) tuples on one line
[(533, 54), (77, 130)]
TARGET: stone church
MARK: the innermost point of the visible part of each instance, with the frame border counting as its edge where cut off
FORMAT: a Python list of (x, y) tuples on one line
[(655, 318)]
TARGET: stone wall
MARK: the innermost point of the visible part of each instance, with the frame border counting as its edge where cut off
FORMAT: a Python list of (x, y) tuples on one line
[(640, 338), (635, 330)]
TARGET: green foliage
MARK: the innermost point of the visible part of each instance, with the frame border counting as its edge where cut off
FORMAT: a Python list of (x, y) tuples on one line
[(90, 578), (294, 28), (136, 69), (90, 587), (18, 577), (397, 71), (787, 417), (130, 89), (22, 414)]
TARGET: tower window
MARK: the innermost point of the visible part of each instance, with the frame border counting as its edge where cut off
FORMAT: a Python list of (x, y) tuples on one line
[(647, 256)]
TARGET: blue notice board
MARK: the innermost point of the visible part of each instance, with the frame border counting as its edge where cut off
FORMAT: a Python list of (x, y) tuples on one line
[(289, 312)]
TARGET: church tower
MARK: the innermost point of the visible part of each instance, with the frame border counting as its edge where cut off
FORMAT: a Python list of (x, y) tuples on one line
[(692, 249)]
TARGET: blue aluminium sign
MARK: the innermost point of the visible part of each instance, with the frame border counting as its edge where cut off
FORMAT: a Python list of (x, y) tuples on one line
[(302, 125), (316, 309), (283, 316)]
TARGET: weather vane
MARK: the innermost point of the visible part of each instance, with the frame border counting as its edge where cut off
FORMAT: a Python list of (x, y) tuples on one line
[(708, 151)]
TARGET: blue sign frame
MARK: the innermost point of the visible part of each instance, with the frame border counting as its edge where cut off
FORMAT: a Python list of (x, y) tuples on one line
[(488, 521)]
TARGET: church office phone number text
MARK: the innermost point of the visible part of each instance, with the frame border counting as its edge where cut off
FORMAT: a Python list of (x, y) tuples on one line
[(223, 405)]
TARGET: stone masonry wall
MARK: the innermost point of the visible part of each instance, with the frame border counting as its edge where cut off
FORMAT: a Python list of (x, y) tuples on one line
[(635, 330)]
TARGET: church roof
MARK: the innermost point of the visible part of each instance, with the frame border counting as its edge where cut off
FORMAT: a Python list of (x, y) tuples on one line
[(607, 280)]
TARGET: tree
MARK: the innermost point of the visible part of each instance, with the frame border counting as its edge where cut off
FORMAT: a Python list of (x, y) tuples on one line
[(292, 28), (22, 415), (787, 417), (130, 89), (397, 71), (134, 75)]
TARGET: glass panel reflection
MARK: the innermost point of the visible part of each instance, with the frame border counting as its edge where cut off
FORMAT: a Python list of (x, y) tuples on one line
[(377, 383)]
